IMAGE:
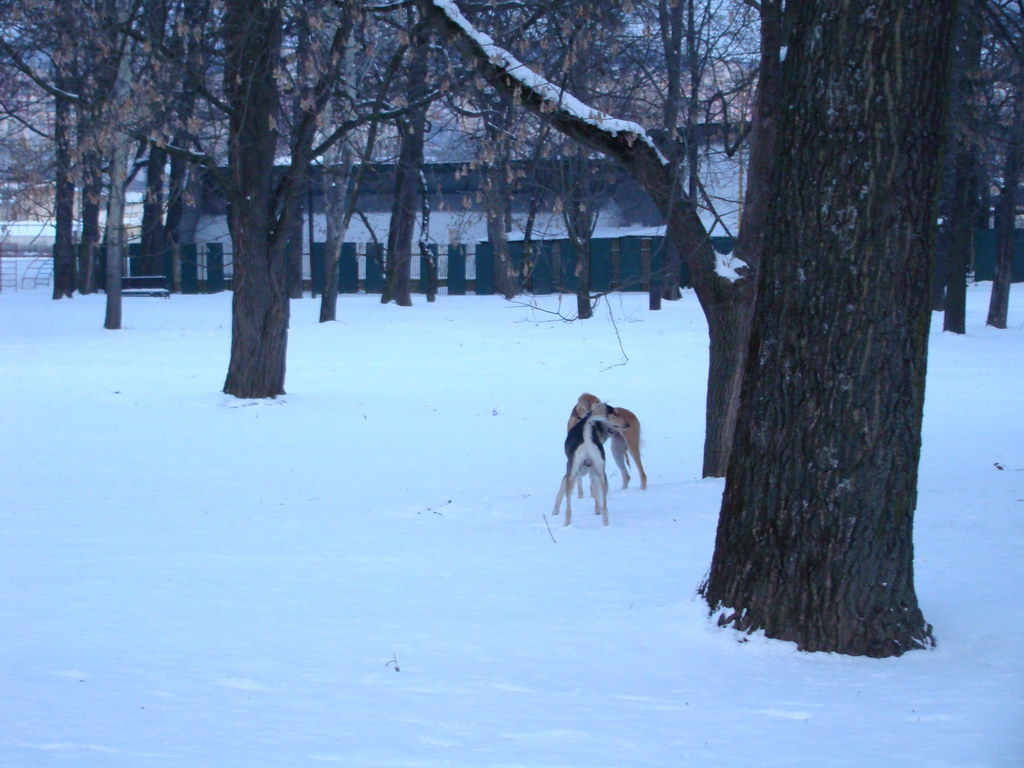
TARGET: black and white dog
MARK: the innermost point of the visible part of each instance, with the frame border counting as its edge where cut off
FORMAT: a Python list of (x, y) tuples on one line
[(584, 450)]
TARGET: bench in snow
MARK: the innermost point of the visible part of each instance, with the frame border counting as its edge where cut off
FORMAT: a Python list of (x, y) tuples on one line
[(145, 285)]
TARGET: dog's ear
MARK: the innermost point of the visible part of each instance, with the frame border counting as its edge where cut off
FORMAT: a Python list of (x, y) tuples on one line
[(611, 411)]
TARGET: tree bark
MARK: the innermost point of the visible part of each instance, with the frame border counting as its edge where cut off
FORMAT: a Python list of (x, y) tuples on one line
[(405, 209), (153, 242), (118, 174), (960, 237), (295, 242), (89, 248), (814, 541), (1006, 217), (730, 328), (339, 197), (115, 233), (497, 193), (64, 200), (260, 309), (404, 213), (337, 211), (960, 206), (580, 218)]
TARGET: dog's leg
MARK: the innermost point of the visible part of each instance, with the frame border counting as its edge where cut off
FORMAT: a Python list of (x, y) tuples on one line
[(633, 443), (599, 482), (572, 474), (558, 498), (564, 489), (604, 498), (619, 452), (568, 500)]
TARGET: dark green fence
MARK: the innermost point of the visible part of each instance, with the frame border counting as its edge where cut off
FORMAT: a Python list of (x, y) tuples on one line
[(201, 267), (985, 255), (547, 266)]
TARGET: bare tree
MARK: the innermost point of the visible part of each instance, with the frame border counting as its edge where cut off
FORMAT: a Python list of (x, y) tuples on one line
[(412, 128), (1006, 214), (118, 173), (260, 309), (63, 126), (721, 298)]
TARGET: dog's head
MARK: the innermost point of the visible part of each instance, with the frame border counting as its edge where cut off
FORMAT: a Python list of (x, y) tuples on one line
[(585, 403), (603, 412)]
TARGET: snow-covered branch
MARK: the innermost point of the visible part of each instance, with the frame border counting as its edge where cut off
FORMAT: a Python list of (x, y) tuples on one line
[(579, 121)]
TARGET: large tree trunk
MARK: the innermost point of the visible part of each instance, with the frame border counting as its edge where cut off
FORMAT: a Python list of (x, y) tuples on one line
[(814, 541), (259, 311), (1006, 217)]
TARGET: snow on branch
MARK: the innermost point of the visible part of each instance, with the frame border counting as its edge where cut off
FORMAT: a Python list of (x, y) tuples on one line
[(564, 109)]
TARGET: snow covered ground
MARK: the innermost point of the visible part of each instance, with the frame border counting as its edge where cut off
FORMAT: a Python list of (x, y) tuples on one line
[(361, 572)]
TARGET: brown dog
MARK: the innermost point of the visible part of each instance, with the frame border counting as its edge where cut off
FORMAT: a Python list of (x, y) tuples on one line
[(624, 438)]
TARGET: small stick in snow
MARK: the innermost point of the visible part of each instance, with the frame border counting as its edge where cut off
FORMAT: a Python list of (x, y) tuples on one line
[(549, 528)]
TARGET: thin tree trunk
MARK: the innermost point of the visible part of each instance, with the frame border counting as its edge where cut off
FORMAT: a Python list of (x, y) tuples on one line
[(295, 244), (118, 175), (114, 236), (153, 243), (339, 195), (1006, 216), (179, 226), (336, 180), (507, 276), (403, 214), (960, 238), (956, 236), (579, 219), (64, 201), (88, 252), (176, 206), (407, 177), (427, 258), (729, 326), (814, 540)]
